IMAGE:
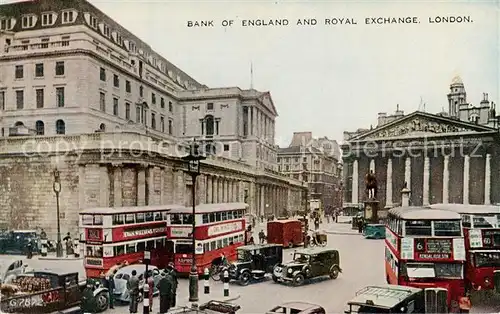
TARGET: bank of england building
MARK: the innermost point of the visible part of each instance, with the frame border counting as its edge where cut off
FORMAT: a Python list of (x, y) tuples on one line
[(80, 93), (449, 157)]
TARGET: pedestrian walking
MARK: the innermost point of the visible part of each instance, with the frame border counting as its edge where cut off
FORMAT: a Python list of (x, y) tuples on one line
[(69, 244), (262, 236), (133, 291), (151, 284), (361, 224), (29, 248), (175, 282), (164, 286), (316, 223), (43, 235), (111, 289)]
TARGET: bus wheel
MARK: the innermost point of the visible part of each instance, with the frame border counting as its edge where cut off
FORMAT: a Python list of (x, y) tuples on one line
[(244, 279)]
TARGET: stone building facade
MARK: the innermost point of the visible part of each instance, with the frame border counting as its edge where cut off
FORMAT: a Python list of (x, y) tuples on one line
[(316, 161), (73, 77), (442, 158), (122, 169)]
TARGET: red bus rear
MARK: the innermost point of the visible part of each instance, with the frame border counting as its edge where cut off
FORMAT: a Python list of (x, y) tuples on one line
[(220, 229), (113, 236), (482, 243), (425, 249)]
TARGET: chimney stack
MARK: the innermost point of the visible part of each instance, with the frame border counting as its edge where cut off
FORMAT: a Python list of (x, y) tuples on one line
[(405, 196)]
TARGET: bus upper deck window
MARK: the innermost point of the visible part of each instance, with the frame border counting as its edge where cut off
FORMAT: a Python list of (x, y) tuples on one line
[(149, 216), (224, 216), (218, 216), (205, 218), (229, 215), (212, 217), (158, 216)]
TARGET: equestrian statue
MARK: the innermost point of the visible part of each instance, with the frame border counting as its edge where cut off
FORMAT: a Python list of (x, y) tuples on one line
[(371, 185)]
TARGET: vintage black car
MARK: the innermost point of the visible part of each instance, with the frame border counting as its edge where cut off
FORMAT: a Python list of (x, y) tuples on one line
[(308, 263), (255, 261)]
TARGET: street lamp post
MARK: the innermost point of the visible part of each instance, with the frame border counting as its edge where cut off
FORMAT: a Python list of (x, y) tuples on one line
[(56, 186), (193, 169)]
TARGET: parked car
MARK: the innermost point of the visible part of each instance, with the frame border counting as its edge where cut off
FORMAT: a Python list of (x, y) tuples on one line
[(123, 275), (308, 263), (255, 261), (298, 308)]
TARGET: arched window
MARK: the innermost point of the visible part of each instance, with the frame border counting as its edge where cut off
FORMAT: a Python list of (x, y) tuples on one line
[(102, 127), (18, 123), (209, 125), (60, 127), (39, 127)]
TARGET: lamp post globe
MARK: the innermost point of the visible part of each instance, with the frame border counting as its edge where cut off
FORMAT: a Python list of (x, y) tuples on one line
[(56, 186), (193, 160)]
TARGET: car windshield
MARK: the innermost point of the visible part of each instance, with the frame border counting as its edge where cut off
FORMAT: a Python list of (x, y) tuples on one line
[(301, 258), (243, 255), (368, 309), (487, 259)]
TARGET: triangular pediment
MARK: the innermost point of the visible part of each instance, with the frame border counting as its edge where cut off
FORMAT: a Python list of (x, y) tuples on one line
[(267, 102), (421, 124)]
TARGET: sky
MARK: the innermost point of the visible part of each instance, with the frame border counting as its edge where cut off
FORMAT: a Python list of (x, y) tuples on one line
[(326, 78)]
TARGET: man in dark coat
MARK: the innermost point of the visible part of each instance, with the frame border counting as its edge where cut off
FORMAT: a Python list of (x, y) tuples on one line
[(165, 288), (110, 284), (133, 290), (173, 274)]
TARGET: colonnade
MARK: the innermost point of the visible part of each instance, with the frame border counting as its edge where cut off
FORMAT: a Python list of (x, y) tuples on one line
[(220, 189), (426, 180), (271, 199)]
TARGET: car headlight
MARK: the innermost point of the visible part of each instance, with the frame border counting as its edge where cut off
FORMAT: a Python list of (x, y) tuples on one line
[(290, 270), (487, 281)]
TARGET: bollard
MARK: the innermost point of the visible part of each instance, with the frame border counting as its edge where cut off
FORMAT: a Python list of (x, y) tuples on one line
[(206, 282), (43, 249), (145, 289), (76, 248), (226, 283)]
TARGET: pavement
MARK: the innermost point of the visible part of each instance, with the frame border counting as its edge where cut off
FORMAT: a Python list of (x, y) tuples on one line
[(361, 260)]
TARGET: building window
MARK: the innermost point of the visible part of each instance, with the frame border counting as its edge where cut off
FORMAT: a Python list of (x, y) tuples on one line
[(138, 114), (39, 128), (209, 125), (19, 71), (60, 96), (67, 17), (2, 100), (127, 87), (47, 19), (102, 101), (28, 21), (102, 74), (20, 99), (116, 81), (115, 106), (162, 102), (39, 98), (39, 70), (210, 106), (141, 91), (162, 124), (153, 121), (170, 127), (60, 68), (170, 107), (60, 127), (153, 98), (226, 147), (127, 111), (217, 127)]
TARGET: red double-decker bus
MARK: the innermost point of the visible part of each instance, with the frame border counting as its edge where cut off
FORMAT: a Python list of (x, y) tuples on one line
[(111, 236), (481, 225), (220, 229), (425, 248)]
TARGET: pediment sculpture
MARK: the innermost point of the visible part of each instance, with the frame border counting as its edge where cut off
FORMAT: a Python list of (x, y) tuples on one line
[(417, 125)]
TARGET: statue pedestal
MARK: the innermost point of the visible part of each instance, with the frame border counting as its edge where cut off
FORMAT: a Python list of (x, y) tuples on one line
[(372, 211)]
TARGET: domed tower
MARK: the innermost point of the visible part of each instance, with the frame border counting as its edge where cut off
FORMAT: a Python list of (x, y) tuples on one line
[(456, 97)]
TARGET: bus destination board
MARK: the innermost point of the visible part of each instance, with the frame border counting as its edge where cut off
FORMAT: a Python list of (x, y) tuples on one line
[(434, 248), (491, 238)]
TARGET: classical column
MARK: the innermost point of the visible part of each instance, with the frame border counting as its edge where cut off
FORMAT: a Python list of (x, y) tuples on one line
[(262, 200), (372, 165), (226, 191), (209, 190), (355, 177), (425, 195), (220, 190), (408, 171), (141, 185), (466, 179), (236, 195), (117, 185), (104, 186), (446, 179), (487, 181), (388, 186), (151, 196), (163, 200)]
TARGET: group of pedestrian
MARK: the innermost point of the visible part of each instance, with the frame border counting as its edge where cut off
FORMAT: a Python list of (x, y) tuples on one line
[(167, 287)]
